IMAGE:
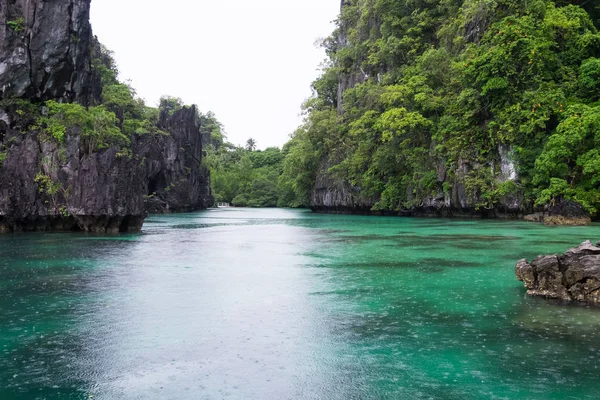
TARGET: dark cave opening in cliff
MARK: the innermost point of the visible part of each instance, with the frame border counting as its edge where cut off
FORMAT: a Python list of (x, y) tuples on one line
[(156, 184)]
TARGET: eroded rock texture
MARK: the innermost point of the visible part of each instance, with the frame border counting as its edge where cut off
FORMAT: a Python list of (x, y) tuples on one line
[(175, 180), (49, 187), (46, 188), (45, 49), (332, 195), (573, 276)]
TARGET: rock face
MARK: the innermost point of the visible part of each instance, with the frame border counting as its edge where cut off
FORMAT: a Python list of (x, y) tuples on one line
[(573, 276), (45, 49), (43, 188), (46, 187), (331, 195), (175, 179), (45, 53)]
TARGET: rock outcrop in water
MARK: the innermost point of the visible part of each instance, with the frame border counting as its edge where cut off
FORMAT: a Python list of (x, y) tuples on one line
[(175, 179), (46, 51), (45, 186), (573, 276), (565, 213)]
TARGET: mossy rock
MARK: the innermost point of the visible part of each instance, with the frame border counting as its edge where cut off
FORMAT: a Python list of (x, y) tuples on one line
[(560, 220)]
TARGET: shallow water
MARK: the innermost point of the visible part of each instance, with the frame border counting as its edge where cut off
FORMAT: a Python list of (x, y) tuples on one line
[(283, 304)]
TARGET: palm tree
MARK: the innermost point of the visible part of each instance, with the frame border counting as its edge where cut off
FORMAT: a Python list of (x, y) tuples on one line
[(250, 144)]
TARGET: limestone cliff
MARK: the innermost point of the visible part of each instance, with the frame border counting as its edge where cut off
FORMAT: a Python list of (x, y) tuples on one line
[(452, 197), (45, 184)]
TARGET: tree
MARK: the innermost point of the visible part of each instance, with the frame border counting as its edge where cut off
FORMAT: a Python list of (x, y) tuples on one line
[(250, 144)]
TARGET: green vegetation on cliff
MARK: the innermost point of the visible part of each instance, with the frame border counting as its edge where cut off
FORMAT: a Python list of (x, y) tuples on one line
[(419, 96), (116, 115)]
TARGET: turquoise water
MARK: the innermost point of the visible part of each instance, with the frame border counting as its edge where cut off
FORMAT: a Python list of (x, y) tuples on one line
[(283, 304)]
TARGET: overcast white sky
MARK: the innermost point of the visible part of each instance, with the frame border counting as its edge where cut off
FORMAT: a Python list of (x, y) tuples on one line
[(250, 62)]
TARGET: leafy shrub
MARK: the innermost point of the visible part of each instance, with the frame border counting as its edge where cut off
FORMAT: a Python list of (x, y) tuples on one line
[(97, 125), (16, 25)]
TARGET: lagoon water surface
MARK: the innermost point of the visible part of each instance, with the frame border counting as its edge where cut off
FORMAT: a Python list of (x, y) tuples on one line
[(285, 304)]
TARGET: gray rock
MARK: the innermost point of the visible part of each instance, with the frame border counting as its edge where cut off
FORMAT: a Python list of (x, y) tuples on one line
[(338, 196), (175, 180), (45, 50), (104, 191), (573, 276), (334, 195), (524, 272)]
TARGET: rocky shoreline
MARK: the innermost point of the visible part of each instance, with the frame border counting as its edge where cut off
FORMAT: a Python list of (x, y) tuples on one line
[(566, 213)]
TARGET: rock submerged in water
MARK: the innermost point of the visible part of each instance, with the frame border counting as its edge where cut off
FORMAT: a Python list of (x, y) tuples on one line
[(573, 276)]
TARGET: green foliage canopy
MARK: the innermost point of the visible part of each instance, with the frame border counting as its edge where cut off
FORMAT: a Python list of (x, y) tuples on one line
[(429, 87)]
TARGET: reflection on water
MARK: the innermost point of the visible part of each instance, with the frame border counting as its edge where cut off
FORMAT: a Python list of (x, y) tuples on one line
[(281, 304)]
